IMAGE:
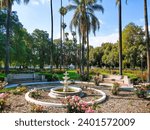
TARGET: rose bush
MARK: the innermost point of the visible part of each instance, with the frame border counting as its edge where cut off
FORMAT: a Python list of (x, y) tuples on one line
[(76, 105)]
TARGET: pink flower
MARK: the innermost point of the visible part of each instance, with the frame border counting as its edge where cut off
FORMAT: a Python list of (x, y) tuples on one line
[(76, 98), (89, 110), (3, 95)]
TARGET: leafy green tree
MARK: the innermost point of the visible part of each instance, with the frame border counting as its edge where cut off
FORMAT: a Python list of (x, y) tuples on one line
[(133, 42), (40, 50), (8, 4)]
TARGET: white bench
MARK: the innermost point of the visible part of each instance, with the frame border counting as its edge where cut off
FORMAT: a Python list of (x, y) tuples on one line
[(25, 77), (113, 78), (116, 78)]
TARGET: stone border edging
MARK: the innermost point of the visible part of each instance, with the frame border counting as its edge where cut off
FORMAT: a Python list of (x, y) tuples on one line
[(29, 99), (49, 104)]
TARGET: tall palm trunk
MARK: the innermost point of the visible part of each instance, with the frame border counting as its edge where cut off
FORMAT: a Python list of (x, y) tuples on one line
[(120, 36), (51, 6), (147, 40), (80, 52), (88, 54), (61, 44), (82, 55), (7, 44)]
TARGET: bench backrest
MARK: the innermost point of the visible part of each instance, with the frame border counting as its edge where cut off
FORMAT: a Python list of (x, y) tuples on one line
[(118, 77), (20, 76)]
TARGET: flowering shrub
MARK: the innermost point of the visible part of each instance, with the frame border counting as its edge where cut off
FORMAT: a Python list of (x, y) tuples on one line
[(20, 90), (115, 89), (97, 79), (76, 105), (35, 94), (141, 91), (38, 109), (3, 97)]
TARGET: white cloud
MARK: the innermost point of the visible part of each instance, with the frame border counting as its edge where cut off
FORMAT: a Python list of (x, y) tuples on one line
[(98, 40)]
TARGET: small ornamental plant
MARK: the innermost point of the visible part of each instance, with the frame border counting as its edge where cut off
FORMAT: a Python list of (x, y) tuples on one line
[(35, 94), (20, 90), (141, 91), (115, 89), (76, 105), (97, 79), (38, 109), (3, 99)]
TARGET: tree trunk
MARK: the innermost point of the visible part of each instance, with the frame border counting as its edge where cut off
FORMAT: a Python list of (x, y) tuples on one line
[(80, 59), (51, 5), (120, 37), (82, 56), (61, 46), (7, 45), (87, 53), (147, 40)]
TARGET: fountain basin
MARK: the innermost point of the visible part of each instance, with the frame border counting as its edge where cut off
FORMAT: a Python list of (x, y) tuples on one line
[(58, 92)]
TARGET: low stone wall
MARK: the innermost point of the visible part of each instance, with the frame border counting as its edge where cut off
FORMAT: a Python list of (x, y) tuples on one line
[(13, 78)]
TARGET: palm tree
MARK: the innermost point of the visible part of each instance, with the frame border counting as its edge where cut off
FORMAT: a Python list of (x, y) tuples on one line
[(147, 39), (3, 4), (63, 12), (85, 20), (8, 4), (51, 7)]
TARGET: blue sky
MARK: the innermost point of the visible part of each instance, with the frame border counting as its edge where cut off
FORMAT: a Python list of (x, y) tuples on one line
[(37, 15)]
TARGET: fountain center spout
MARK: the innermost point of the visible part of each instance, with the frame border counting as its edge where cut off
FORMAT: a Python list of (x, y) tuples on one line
[(65, 88)]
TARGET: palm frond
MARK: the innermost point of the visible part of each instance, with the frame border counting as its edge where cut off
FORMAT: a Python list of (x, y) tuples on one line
[(71, 7), (97, 7)]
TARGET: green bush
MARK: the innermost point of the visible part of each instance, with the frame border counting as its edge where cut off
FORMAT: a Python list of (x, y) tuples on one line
[(85, 77), (2, 77), (19, 90), (51, 77), (115, 89), (141, 91), (35, 94)]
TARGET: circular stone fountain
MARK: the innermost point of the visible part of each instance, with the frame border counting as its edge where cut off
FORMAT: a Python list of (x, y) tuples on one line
[(62, 92)]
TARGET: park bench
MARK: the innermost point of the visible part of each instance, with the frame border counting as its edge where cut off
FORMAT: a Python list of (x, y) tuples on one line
[(122, 80), (113, 78), (29, 77)]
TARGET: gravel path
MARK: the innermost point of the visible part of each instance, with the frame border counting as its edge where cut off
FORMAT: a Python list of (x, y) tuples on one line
[(125, 102)]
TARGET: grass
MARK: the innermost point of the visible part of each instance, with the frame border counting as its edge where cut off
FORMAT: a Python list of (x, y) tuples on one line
[(2, 76), (4, 90), (71, 73)]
